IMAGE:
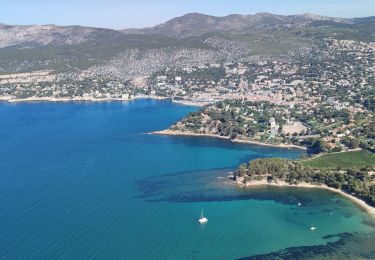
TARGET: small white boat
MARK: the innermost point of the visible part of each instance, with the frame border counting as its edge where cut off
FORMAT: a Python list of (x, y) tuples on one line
[(299, 204), (312, 228), (202, 219)]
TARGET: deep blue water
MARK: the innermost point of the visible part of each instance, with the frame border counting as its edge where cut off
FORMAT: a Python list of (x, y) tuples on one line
[(85, 180)]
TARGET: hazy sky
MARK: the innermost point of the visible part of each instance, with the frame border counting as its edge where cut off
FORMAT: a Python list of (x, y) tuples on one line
[(141, 13)]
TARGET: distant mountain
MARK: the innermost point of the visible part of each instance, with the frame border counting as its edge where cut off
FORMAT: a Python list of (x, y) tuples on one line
[(363, 20), (52, 34), (195, 24), (192, 39)]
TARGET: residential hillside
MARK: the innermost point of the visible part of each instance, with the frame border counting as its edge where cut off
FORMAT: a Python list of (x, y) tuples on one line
[(264, 77)]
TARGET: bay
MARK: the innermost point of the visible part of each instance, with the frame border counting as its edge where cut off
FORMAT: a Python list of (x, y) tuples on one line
[(87, 181)]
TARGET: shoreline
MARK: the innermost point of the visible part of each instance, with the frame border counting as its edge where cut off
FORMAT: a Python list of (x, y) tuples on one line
[(76, 99), (189, 103), (179, 133), (360, 203), (11, 99)]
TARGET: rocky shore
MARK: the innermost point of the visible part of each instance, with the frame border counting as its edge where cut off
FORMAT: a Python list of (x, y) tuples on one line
[(180, 133)]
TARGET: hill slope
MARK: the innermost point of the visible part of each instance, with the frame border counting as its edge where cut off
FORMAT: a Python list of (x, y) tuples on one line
[(192, 39), (194, 24)]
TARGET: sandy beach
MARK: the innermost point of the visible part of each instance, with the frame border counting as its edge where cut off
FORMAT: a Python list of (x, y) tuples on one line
[(357, 201), (179, 133)]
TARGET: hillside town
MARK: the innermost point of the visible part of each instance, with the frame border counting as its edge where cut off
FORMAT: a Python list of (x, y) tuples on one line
[(345, 66), (328, 92), (330, 95)]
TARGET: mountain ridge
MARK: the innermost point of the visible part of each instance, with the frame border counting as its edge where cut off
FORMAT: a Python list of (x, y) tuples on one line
[(191, 39), (195, 24), (188, 25), (194, 15)]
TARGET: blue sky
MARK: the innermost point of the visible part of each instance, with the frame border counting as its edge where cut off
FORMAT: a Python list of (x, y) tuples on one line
[(141, 13)]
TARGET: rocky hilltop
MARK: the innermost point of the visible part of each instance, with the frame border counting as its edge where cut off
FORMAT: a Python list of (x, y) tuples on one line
[(51, 34), (191, 40), (195, 24)]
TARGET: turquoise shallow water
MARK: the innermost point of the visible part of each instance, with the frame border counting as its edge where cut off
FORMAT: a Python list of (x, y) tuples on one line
[(84, 181)]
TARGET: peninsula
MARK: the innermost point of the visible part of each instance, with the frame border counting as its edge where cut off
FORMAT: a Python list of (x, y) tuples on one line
[(351, 174)]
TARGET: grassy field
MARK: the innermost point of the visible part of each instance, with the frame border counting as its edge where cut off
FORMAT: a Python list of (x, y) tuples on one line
[(353, 159)]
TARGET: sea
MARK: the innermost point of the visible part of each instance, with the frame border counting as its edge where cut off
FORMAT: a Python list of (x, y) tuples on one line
[(88, 181)]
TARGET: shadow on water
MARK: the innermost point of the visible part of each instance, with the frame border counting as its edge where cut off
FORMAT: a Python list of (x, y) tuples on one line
[(347, 246), (215, 185), (203, 141)]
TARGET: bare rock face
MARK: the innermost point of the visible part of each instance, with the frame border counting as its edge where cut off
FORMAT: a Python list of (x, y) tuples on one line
[(195, 24), (192, 39), (135, 62), (45, 34)]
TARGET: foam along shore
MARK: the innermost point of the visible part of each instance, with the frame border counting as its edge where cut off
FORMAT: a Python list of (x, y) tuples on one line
[(180, 133), (357, 201)]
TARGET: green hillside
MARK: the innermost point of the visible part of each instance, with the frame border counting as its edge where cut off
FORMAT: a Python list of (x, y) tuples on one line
[(353, 159)]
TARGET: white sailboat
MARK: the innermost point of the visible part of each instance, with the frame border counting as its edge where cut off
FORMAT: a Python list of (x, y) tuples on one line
[(312, 228), (202, 219)]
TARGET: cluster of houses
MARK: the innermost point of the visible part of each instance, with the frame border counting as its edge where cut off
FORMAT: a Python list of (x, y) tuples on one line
[(336, 77)]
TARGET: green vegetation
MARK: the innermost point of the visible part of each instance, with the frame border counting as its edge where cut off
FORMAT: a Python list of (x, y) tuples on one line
[(315, 146), (277, 43), (237, 120), (103, 46), (345, 160), (320, 29), (356, 179)]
